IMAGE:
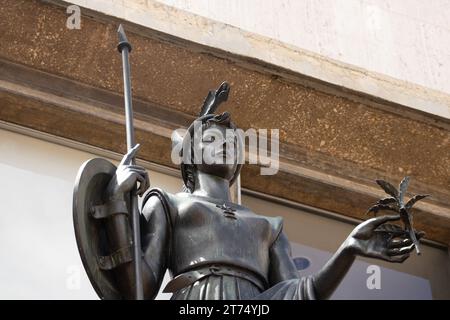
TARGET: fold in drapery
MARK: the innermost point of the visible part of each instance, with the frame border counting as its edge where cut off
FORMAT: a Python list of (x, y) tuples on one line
[(293, 289), (223, 287)]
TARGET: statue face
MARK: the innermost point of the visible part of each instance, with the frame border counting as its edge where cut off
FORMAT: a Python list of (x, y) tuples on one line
[(218, 148)]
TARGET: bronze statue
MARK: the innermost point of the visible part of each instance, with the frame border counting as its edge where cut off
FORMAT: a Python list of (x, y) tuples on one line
[(213, 248)]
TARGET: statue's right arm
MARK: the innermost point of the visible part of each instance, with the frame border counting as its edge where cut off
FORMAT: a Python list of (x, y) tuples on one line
[(155, 235), (155, 240)]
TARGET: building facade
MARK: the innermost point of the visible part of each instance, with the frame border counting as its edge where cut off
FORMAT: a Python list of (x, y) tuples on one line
[(354, 100)]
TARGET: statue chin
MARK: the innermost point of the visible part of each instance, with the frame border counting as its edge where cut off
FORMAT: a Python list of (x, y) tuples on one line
[(221, 170)]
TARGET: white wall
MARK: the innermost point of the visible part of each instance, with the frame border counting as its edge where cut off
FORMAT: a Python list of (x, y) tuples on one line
[(39, 256), (404, 39)]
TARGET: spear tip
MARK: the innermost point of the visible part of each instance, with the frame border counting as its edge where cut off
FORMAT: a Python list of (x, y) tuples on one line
[(123, 40)]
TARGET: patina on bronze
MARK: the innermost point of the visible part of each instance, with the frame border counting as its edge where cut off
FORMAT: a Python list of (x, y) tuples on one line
[(212, 247), (396, 202)]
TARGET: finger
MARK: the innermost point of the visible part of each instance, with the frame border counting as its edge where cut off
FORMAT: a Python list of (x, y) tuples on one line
[(141, 181), (147, 182), (141, 189), (376, 222), (141, 172), (135, 173), (398, 259), (143, 185), (400, 251), (398, 236), (134, 169), (130, 155), (398, 243), (420, 234), (134, 166), (136, 176), (140, 178)]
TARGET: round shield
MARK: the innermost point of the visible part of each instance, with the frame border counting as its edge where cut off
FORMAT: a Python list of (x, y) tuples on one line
[(92, 180)]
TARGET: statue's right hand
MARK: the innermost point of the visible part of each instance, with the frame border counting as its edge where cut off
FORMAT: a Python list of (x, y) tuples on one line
[(127, 176)]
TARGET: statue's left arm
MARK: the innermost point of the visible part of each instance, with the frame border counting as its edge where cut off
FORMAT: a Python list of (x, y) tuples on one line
[(367, 239), (372, 238), (281, 264), (285, 282)]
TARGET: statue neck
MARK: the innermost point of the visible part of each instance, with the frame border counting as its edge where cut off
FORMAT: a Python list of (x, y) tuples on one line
[(208, 185)]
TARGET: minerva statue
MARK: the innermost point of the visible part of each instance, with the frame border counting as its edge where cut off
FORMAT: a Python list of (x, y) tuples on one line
[(213, 248)]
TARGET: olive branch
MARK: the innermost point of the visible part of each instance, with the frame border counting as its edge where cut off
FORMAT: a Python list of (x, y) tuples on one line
[(397, 204)]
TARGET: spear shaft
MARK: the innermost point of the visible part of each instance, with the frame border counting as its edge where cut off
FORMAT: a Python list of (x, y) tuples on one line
[(124, 48)]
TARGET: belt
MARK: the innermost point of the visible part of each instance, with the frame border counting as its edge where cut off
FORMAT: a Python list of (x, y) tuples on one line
[(187, 278)]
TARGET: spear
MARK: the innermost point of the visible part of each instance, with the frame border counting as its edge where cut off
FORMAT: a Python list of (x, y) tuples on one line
[(124, 48)]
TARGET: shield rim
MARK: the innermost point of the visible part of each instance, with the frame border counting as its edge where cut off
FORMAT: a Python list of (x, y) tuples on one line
[(88, 170)]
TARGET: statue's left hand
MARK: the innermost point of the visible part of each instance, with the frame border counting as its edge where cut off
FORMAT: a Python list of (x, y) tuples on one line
[(375, 238)]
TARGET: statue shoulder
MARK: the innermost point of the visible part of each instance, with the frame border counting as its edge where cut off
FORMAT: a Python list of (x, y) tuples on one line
[(158, 198), (276, 224)]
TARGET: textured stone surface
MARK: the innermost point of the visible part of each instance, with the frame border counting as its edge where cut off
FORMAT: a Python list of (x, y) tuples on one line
[(108, 133), (257, 44), (408, 41)]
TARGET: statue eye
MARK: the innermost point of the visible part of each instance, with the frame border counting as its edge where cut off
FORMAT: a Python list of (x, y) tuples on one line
[(209, 139)]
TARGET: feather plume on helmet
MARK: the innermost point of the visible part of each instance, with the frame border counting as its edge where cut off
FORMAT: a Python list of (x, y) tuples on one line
[(207, 117)]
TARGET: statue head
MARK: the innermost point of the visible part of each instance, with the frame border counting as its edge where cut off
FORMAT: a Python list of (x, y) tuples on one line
[(210, 144)]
